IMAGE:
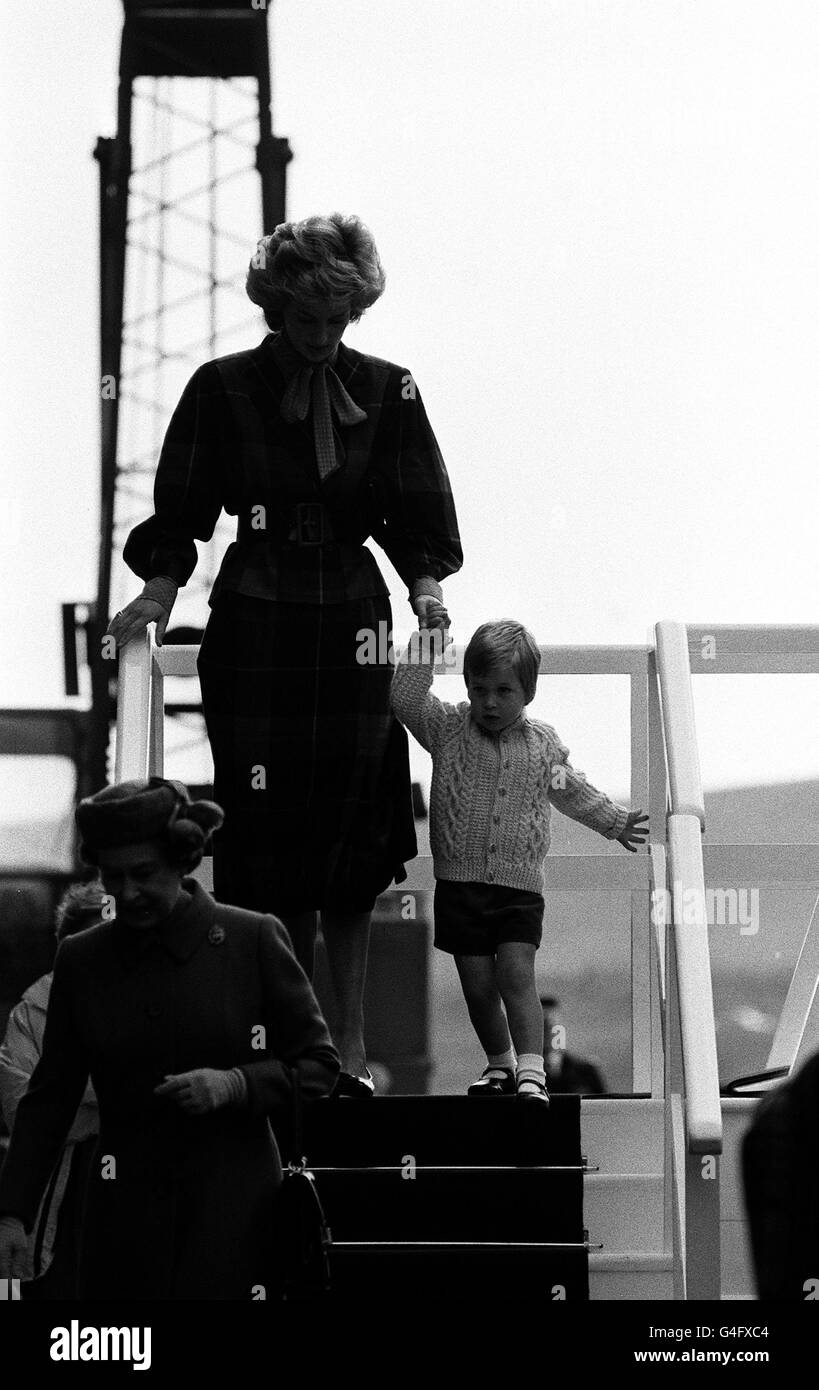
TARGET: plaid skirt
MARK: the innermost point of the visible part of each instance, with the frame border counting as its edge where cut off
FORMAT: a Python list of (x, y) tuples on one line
[(310, 765)]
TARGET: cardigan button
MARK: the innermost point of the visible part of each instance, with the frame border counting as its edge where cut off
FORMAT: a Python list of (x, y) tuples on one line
[(153, 1010)]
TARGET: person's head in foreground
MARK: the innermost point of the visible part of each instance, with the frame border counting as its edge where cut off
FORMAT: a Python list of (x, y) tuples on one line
[(501, 665), (82, 905), (144, 837)]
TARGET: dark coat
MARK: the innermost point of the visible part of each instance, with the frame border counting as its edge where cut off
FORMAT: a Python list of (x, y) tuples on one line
[(282, 679), (186, 1210), (780, 1162)]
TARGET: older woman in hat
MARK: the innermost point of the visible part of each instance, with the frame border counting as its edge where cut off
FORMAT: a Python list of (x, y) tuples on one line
[(190, 1018), (315, 448), (53, 1246)]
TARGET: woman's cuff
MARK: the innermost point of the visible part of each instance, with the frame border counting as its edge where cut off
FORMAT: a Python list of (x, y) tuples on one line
[(161, 590), (426, 587), (237, 1084)]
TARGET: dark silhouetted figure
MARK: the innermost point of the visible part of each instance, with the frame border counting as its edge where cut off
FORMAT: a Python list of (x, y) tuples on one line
[(780, 1163)]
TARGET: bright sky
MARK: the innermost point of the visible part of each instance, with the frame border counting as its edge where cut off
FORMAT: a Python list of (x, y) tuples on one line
[(600, 222)]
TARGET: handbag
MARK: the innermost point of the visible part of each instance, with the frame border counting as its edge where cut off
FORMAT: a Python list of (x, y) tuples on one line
[(302, 1237)]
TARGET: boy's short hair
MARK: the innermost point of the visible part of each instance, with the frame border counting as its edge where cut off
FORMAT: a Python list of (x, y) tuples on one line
[(80, 906), (493, 644)]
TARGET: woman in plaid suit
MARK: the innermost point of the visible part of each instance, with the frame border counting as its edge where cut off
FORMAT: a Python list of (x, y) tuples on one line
[(314, 448)]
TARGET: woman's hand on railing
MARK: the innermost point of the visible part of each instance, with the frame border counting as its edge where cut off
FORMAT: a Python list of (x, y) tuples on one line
[(135, 617), (634, 833)]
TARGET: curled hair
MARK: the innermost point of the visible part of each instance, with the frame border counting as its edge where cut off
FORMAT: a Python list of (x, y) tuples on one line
[(80, 906), (186, 840), (495, 644), (330, 257)]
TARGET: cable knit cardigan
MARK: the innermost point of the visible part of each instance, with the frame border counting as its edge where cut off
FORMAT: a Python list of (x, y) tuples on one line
[(491, 796)]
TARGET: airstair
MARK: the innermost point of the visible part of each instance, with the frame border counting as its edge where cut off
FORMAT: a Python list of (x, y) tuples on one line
[(629, 1197)]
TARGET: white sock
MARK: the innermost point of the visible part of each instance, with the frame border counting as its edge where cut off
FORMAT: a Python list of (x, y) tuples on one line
[(531, 1068), (500, 1061)]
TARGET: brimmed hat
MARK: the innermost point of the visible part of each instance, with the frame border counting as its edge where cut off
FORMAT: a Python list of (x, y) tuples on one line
[(130, 812)]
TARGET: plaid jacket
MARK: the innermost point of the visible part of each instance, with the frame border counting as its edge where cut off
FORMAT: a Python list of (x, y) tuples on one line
[(228, 447)]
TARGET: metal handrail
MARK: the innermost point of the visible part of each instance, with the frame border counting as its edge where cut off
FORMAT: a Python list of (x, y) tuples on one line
[(682, 752), (695, 992)]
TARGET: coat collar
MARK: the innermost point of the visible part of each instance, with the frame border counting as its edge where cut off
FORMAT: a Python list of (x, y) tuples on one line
[(192, 920)]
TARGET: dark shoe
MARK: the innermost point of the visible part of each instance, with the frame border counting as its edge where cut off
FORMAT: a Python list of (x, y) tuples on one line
[(495, 1085), (530, 1089), (356, 1087)]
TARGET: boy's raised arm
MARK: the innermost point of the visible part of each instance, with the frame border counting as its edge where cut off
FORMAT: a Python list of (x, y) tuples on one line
[(411, 696)]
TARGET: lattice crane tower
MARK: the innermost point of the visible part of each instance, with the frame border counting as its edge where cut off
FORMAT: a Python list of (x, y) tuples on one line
[(179, 220)]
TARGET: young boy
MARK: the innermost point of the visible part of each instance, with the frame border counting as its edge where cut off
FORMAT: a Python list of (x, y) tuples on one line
[(495, 772)]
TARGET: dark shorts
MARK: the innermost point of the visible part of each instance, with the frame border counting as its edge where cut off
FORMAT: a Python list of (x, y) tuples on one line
[(471, 919)]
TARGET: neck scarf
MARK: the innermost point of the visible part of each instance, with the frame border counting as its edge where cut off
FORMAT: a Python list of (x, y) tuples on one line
[(315, 385)]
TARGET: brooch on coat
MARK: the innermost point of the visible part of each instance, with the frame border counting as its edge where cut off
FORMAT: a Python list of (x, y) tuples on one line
[(216, 935)]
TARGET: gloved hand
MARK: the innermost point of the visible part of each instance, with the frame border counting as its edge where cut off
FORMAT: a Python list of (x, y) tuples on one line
[(430, 612), (134, 619), (153, 605), (206, 1089), (13, 1248)]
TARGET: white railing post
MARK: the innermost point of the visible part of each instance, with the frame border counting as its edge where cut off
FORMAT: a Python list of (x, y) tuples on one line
[(156, 751), (134, 708)]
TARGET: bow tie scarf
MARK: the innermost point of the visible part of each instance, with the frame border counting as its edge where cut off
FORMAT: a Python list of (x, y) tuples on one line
[(319, 388)]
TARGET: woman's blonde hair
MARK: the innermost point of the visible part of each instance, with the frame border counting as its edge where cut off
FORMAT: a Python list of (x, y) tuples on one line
[(320, 258)]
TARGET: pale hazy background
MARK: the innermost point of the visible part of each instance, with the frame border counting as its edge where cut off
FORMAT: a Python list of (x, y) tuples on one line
[(600, 223)]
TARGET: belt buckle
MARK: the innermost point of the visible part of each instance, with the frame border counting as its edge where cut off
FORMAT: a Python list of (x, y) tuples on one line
[(309, 523)]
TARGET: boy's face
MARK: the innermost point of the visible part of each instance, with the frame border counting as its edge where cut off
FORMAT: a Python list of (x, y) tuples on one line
[(496, 698)]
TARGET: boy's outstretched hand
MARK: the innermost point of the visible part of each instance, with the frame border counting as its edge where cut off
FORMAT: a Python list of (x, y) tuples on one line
[(634, 833)]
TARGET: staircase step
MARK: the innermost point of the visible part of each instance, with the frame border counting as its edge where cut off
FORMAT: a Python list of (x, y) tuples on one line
[(516, 1206), (391, 1130), (639, 1276), (512, 1210), (400, 1276), (623, 1136), (624, 1212)]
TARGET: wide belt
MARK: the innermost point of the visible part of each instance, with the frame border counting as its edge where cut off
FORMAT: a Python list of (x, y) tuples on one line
[(306, 524)]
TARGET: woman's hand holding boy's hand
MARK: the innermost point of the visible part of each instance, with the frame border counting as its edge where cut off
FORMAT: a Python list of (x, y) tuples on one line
[(430, 613), (634, 833)]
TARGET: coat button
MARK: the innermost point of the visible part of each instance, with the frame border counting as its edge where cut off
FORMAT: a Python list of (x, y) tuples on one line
[(216, 935), (490, 877), (153, 1010), (501, 791)]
